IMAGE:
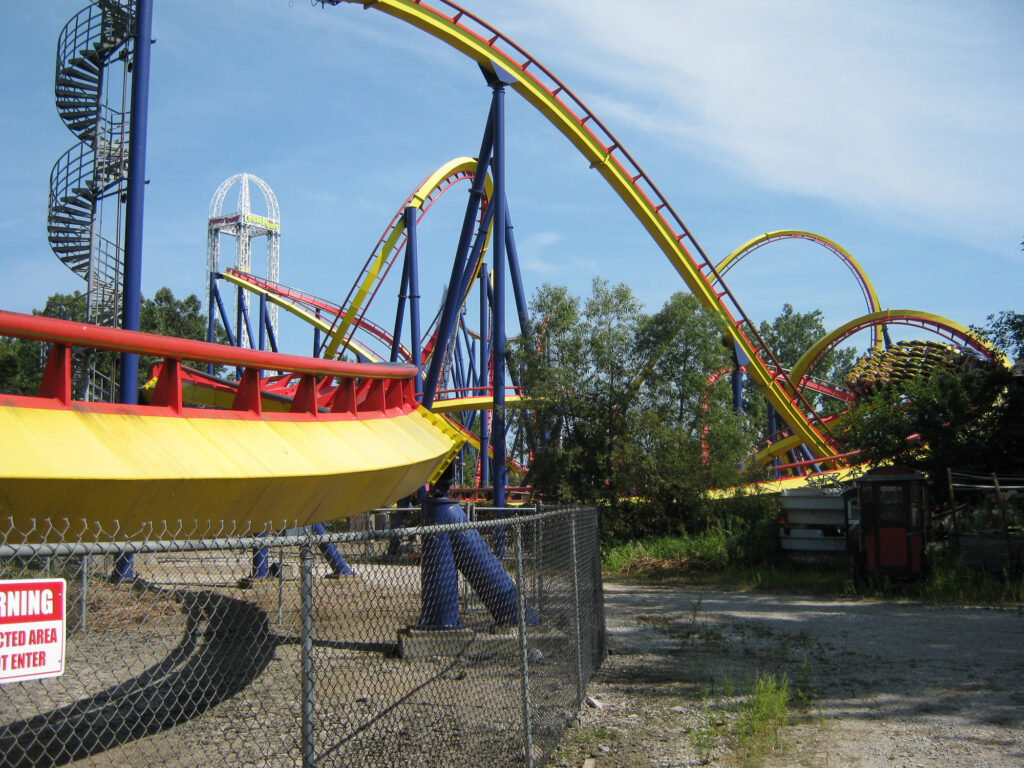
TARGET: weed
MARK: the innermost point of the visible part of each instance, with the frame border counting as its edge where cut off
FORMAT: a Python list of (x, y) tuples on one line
[(705, 737), (762, 716), (802, 695)]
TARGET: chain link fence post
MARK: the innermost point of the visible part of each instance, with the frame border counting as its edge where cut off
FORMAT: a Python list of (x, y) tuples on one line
[(83, 599), (306, 639), (524, 655), (578, 645)]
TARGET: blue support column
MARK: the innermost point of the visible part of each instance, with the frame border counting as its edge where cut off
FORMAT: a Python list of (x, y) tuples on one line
[(264, 320), (470, 555), (316, 336), (260, 560), (485, 335), (211, 322), (338, 565), (411, 256), (439, 581), (134, 215), (465, 238), (497, 78), (737, 390), (243, 313), (403, 295), (398, 520), (223, 314)]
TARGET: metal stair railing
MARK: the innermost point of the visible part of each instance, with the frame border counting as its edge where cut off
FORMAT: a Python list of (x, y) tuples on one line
[(96, 168)]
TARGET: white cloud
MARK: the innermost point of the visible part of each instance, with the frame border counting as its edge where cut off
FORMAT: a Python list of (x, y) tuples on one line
[(911, 111), (540, 240)]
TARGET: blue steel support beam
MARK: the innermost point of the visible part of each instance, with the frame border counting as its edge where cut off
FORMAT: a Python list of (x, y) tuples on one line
[(497, 79), (243, 310), (471, 379), (316, 337), (338, 565), (411, 259), (485, 335), (211, 321), (403, 295), (223, 313), (465, 238), (517, 278), (134, 216), (264, 321)]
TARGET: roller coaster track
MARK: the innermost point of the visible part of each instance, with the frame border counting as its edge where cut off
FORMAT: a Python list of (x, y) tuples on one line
[(867, 289), (481, 42), (390, 244)]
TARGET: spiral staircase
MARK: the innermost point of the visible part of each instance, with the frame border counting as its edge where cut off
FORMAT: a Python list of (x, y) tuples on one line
[(85, 218)]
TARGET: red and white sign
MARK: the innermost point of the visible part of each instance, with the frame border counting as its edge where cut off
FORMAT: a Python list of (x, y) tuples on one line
[(32, 629)]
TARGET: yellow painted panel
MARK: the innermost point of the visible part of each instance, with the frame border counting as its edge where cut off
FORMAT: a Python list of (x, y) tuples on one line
[(133, 469)]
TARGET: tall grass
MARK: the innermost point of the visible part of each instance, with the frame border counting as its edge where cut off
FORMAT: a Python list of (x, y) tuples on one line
[(667, 554), (763, 715), (953, 583)]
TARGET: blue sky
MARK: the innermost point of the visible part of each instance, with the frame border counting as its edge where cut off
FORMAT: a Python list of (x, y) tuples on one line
[(895, 129)]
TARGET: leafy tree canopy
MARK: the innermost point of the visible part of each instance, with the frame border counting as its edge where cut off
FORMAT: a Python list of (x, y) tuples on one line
[(622, 406)]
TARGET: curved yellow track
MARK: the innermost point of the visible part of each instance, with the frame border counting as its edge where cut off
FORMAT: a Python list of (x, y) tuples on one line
[(605, 160), (383, 255), (870, 297), (317, 322), (889, 316)]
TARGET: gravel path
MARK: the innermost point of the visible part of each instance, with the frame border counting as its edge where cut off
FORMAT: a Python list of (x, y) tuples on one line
[(885, 683)]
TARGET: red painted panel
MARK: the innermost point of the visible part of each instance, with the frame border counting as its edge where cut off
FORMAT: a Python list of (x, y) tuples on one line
[(892, 547), (915, 552)]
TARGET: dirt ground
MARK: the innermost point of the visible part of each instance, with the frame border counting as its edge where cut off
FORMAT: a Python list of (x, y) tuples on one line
[(872, 683)]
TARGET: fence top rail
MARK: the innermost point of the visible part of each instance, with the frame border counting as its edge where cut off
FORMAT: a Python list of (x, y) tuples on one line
[(258, 541)]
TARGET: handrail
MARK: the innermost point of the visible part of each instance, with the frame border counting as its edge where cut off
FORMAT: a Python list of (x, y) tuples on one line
[(49, 329)]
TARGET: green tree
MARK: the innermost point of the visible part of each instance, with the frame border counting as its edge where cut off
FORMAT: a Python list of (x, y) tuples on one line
[(966, 420), (1005, 330), (621, 400), (180, 318), (791, 334), (22, 361)]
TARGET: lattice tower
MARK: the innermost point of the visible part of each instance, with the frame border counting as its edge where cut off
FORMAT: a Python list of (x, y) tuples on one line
[(244, 225)]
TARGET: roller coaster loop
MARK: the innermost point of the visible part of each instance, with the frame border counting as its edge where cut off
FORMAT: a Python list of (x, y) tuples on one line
[(870, 297)]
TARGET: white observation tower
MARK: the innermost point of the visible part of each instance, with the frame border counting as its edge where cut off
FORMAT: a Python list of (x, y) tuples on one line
[(244, 225)]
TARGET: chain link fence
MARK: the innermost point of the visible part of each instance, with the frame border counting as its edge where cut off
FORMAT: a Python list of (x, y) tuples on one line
[(455, 643)]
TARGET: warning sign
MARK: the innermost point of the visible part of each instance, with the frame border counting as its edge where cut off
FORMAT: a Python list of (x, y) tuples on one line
[(32, 629)]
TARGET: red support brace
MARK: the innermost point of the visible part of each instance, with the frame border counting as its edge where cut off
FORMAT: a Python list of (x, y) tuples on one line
[(248, 395), (168, 386), (305, 396), (56, 381)]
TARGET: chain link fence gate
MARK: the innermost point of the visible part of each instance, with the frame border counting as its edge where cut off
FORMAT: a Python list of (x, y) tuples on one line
[(311, 648)]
